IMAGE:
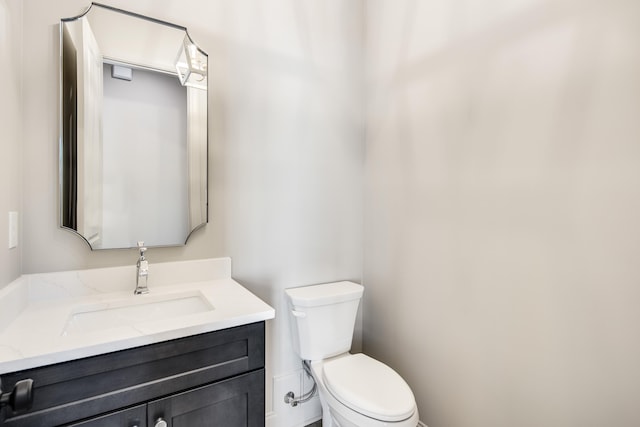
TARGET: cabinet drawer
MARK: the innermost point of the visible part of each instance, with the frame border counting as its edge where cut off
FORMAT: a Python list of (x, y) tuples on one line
[(132, 417), (81, 389)]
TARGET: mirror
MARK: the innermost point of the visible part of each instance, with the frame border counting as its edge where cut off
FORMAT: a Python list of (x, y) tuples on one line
[(133, 130)]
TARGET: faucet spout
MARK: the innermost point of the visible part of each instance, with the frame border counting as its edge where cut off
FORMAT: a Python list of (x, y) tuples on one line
[(142, 272)]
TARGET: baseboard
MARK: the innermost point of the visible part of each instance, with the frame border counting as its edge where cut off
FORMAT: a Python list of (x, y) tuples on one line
[(269, 419)]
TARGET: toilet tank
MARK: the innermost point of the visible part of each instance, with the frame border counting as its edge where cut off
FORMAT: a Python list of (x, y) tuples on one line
[(323, 318)]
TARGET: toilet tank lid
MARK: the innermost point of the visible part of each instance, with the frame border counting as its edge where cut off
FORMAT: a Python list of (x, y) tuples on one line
[(324, 294)]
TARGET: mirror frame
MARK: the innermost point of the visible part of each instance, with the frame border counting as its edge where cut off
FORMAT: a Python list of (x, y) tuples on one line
[(203, 157)]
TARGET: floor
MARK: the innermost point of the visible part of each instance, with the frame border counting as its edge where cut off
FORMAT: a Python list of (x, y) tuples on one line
[(316, 424)]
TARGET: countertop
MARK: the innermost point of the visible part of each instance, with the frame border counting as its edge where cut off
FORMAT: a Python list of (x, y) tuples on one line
[(35, 310)]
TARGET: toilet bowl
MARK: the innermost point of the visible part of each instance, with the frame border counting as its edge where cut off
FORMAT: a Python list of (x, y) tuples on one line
[(359, 391), (355, 390)]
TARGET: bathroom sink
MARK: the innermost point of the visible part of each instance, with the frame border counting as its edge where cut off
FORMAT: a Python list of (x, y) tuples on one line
[(134, 310)]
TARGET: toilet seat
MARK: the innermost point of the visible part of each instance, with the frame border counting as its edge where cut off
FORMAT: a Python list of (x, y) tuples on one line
[(369, 387)]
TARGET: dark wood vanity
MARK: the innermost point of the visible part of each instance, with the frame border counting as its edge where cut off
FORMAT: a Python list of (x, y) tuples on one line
[(212, 379)]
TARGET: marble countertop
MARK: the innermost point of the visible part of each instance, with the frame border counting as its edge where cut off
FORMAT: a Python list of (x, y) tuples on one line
[(36, 310)]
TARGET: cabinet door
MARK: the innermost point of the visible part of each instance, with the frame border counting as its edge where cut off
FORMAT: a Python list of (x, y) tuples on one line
[(132, 417), (235, 402)]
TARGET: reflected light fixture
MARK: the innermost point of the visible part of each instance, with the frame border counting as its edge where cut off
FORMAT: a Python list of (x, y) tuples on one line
[(191, 65)]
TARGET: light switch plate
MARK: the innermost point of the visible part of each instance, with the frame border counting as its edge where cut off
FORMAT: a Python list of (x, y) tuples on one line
[(13, 229)]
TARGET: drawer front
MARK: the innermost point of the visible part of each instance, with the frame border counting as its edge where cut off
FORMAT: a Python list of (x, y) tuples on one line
[(132, 417), (70, 391)]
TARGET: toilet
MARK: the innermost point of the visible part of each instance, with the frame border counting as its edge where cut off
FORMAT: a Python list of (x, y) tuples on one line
[(355, 390)]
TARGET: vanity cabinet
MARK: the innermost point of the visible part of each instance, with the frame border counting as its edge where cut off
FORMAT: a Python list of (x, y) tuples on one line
[(211, 379)]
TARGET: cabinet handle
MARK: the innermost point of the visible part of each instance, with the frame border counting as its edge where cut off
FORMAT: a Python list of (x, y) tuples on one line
[(160, 423), (20, 398)]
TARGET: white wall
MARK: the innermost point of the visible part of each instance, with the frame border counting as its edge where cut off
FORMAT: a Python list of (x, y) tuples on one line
[(11, 132), (502, 208), (285, 151), (289, 92)]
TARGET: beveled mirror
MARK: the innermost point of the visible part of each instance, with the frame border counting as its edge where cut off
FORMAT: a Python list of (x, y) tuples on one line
[(133, 130)]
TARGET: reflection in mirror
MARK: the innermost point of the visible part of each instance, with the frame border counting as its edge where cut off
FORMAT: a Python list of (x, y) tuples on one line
[(133, 144)]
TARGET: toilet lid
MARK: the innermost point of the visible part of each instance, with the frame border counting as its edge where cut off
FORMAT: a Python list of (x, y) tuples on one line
[(369, 387)]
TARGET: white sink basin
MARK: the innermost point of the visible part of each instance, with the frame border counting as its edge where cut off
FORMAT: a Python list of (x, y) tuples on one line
[(134, 310)]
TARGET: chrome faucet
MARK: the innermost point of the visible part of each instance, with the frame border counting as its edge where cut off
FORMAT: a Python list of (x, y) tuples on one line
[(142, 272)]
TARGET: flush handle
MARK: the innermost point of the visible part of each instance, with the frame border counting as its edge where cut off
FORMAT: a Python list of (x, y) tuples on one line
[(161, 423), (297, 313)]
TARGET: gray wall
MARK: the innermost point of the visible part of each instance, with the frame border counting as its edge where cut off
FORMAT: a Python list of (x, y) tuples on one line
[(11, 132), (502, 208)]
